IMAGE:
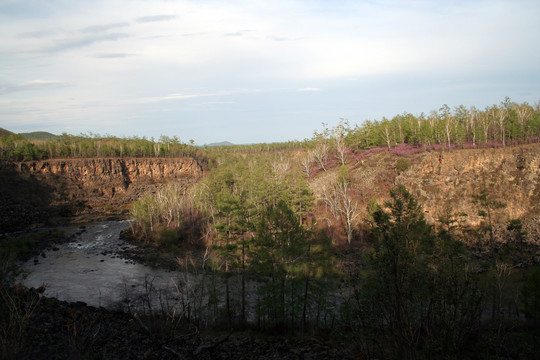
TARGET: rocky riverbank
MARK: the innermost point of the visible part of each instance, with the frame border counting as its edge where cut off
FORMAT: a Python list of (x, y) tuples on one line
[(61, 330)]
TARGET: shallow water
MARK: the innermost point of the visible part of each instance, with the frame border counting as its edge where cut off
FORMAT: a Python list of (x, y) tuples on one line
[(91, 269)]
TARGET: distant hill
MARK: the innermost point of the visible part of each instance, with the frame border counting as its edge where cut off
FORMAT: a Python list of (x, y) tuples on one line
[(223, 143), (4, 132), (38, 135)]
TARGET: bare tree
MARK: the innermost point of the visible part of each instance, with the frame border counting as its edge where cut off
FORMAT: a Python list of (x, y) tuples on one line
[(342, 206), (307, 163), (524, 112), (320, 154), (386, 133), (486, 119), (331, 200), (280, 168), (448, 119), (472, 120), (348, 208), (502, 117), (341, 148), (433, 120)]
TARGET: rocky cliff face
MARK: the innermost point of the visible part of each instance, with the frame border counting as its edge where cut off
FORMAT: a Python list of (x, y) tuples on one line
[(510, 175), (74, 185), (445, 181), (113, 177)]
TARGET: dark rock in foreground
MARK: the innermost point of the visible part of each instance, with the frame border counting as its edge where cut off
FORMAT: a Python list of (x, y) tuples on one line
[(61, 330)]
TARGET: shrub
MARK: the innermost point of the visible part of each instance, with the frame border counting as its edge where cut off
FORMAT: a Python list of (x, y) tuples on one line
[(169, 239), (402, 164), (17, 304), (343, 175)]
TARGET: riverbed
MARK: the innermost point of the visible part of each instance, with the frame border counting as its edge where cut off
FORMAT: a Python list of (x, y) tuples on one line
[(91, 268)]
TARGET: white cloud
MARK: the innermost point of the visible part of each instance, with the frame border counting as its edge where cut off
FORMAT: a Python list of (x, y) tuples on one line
[(167, 98), (103, 28), (181, 96), (155, 18), (33, 85)]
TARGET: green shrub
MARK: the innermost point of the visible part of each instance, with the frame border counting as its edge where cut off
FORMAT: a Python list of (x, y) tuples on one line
[(169, 239), (402, 164), (343, 175)]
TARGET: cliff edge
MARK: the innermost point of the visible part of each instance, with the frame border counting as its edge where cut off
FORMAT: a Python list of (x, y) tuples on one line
[(34, 191)]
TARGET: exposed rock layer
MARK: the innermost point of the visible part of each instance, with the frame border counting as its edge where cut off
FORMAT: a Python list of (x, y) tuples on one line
[(510, 175), (33, 189), (110, 177), (445, 181)]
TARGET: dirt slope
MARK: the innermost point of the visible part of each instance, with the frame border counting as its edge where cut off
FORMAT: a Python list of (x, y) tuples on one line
[(440, 178)]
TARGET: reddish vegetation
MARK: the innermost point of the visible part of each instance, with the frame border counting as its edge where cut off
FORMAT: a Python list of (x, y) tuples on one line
[(442, 179)]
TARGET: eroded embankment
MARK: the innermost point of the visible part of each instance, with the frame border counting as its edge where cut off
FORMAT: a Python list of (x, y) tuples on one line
[(34, 192), (446, 182)]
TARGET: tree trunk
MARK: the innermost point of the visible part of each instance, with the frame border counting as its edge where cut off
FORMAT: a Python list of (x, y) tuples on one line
[(304, 310), (243, 283)]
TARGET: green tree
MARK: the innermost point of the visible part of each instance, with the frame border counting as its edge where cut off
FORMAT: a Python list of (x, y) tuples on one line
[(277, 247), (232, 227), (403, 237), (487, 205), (515, 226), (291, 262), (226, 200), (417, 297)]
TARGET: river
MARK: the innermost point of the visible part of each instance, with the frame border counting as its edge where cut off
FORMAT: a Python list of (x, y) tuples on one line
[(91, 268)]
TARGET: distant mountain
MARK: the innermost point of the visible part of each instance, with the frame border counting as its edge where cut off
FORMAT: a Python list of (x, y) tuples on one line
[(4, 132), (223, 143), (38, 135)]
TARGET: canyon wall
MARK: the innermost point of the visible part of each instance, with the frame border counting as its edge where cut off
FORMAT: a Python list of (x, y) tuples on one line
[(510, 175), (34, 190), (446, 182), (113, 177)]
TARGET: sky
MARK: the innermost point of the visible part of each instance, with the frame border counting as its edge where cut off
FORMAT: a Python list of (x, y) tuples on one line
[(256, 71)]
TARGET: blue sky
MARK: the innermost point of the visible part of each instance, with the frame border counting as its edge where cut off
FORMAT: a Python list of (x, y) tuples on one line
[(256, 71)]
